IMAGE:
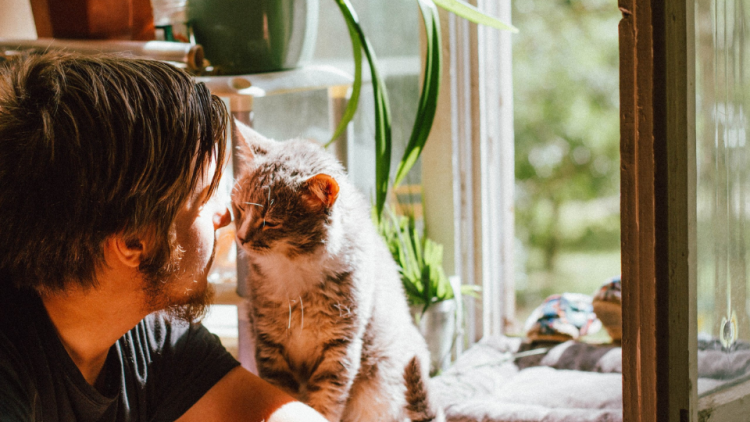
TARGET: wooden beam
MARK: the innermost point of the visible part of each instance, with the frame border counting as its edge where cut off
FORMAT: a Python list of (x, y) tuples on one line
[(657, 203)]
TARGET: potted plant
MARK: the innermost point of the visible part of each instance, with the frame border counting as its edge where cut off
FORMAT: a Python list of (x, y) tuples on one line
[(431, 296), (428, 98), (254, 36)]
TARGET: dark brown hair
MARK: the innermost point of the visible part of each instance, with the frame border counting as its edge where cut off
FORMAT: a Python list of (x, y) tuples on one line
[(91, 147)]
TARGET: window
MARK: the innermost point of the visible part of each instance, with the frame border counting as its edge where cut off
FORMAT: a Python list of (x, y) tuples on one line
[(722, 191)]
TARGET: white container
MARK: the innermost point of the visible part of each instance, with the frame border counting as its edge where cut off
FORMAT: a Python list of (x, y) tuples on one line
[(438, 327)]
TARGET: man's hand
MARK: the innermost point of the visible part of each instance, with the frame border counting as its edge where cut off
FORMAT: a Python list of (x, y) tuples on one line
[(242, 396)]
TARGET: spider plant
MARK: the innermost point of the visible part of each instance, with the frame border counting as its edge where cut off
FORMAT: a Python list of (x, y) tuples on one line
[(420, 261), (428, 97)]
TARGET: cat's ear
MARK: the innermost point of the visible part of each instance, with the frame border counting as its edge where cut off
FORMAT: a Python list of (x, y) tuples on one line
[(249, 142), (322, 191)]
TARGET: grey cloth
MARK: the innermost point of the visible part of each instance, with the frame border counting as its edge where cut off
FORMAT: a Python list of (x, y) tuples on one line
[(720, 365), (584, 357)]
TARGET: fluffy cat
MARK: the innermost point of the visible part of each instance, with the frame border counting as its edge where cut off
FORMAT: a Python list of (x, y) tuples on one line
[(328, 312)]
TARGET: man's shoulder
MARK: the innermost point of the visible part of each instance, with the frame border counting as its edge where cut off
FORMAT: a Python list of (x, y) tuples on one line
[(175, 362)]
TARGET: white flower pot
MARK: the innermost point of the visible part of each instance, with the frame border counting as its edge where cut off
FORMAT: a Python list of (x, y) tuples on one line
[(438, 327)]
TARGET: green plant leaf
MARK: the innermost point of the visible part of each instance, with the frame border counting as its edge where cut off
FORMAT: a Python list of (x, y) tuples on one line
[(420, 260), (471, 13), (383, 141), (471, 290), (427, 293), (413, 292), (430, 87), (351, 105), (415, 242)]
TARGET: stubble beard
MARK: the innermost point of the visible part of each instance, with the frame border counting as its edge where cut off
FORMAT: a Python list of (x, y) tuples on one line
[(164, 294)]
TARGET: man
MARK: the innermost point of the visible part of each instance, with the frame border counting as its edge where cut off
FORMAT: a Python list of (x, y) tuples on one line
[(108, 168)]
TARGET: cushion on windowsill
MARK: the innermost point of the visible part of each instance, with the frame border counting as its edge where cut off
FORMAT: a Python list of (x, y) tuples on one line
[(485, 384), (572, 381)]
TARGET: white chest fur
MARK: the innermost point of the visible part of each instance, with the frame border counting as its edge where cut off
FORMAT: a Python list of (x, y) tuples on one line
[(303, 304), (285, 278)]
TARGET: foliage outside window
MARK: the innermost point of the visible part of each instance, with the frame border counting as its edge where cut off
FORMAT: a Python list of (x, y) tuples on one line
[(566, 101)]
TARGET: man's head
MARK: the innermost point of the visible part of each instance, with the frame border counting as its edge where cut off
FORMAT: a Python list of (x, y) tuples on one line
[(96, 147)]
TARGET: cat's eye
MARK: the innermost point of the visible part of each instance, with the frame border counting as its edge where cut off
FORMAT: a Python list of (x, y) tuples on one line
[(270, 225)]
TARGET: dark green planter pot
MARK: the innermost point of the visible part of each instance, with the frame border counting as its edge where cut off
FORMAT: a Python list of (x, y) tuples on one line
[(252, 36)]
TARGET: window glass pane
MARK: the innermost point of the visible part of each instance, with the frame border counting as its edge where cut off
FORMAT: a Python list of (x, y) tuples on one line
[(722, 192), (566, 99)]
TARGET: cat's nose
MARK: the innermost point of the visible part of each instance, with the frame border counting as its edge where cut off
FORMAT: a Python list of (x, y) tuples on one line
[(242, 234), (243, 231)]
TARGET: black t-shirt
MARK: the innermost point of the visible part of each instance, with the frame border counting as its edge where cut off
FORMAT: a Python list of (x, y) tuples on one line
[(155, 372)]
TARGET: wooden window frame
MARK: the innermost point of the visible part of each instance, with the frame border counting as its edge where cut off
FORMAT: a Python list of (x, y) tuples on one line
[(658, 180), (468, 167)]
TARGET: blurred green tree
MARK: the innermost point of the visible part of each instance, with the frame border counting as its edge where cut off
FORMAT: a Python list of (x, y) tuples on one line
[(566, 101)]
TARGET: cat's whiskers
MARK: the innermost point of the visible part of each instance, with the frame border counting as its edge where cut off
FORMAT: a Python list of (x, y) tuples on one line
[(302, 315), (289, 325), (269, 193), (258, 205), (268, 201)]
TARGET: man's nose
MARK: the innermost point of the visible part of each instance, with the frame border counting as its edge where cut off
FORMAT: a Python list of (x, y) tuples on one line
[(222, 218)]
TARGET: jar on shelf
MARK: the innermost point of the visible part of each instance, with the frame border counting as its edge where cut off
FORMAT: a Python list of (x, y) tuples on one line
[(170, 20)]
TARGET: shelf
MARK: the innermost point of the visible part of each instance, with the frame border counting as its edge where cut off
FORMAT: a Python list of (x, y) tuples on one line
[(275, 83)]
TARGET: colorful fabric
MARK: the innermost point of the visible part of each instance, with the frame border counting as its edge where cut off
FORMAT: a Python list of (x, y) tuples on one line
[(563, 316)]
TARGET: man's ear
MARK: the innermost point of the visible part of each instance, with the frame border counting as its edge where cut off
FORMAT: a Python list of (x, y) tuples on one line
[(249, 142), (129, 252)]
